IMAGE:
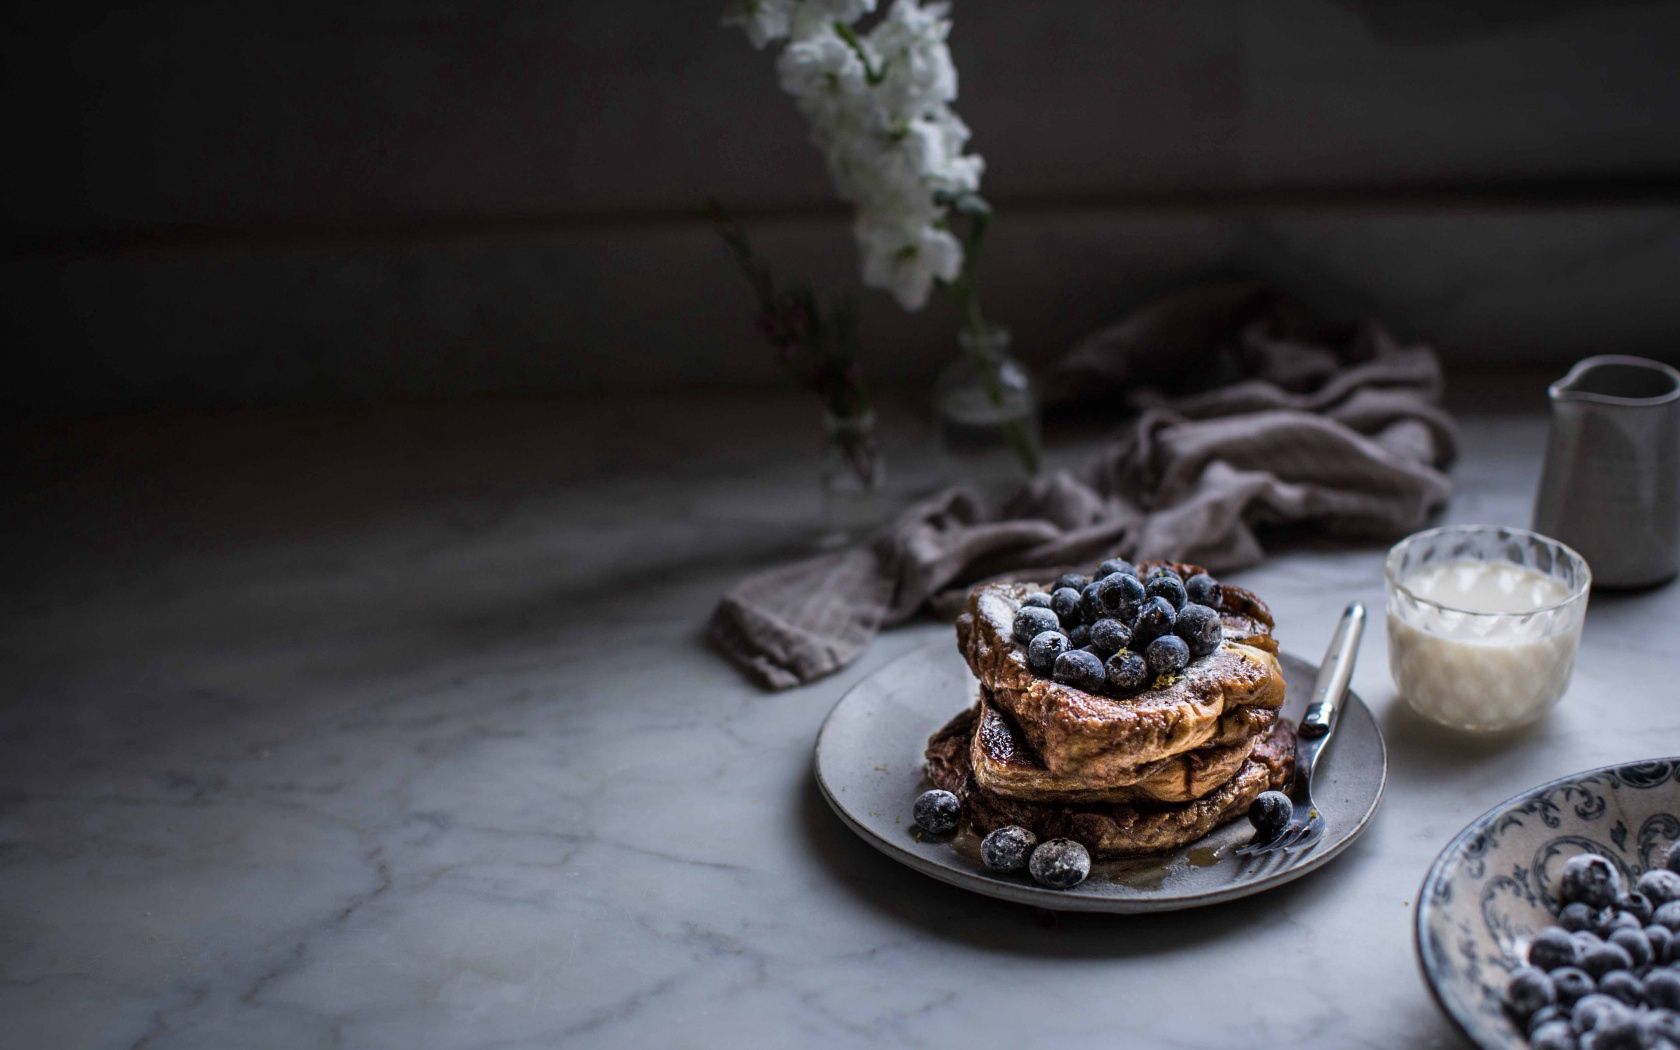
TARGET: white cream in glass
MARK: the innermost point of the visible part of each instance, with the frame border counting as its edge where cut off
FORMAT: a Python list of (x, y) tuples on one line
[(1483, 623)]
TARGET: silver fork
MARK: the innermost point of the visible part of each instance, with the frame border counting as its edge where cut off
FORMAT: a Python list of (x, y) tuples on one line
[(1305, 826)]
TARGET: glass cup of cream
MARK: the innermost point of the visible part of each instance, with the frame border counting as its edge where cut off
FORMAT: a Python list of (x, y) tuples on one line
[(1483, 623)]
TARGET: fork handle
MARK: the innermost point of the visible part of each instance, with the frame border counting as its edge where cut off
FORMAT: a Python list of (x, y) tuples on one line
[(1334, 674)]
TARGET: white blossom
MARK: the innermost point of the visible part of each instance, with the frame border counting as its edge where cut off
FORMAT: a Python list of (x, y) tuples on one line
[(878, 105), (767, 20)]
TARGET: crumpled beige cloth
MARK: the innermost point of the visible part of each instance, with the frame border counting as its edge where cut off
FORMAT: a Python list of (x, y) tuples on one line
[(1339, 432)]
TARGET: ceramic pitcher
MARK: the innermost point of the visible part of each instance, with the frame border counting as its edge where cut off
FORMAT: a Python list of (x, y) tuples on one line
[(1611, 486)]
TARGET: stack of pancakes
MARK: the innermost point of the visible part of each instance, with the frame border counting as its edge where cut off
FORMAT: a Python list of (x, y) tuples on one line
[(1128, 776)]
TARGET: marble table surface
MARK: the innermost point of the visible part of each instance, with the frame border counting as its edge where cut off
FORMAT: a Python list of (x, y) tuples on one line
[(393, 728)]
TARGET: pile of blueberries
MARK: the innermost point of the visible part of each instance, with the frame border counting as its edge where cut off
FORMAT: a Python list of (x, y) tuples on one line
[(1607, 977), (1058, 863), (1115, 633)]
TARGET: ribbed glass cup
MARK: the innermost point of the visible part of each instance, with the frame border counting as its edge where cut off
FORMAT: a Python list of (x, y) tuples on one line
[(1484, 671)]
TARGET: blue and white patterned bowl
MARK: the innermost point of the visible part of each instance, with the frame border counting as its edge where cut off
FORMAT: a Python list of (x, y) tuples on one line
[(1490, 891)]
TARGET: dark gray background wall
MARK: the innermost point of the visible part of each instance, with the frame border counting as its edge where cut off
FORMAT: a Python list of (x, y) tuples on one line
[(217, 204)]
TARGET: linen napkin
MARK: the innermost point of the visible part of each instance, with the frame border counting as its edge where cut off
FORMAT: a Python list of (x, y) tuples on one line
[(1248, 414)]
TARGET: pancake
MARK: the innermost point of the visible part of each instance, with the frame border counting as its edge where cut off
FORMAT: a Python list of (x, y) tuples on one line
[(1117, 829), (1004, 764), (1079, 734)]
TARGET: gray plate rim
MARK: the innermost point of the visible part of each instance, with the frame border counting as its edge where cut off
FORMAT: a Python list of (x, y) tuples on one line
[(982, 882)]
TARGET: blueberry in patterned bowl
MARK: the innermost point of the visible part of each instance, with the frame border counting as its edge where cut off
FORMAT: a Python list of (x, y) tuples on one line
[(1497, 884)]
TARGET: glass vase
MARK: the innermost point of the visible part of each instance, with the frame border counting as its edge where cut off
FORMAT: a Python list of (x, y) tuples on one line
[(852, 477), (987, 409)]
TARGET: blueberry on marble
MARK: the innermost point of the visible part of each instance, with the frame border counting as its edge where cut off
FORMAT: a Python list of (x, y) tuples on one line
[(1200, 628), (1127, 672), (1155, 618), (1528, 990), (1116, 565), (1032, 621), (1007, 848), (1553, 1035), (1574, 917), (1638, 905), (1169, 587), (1079, 637), (1167, 654), (1270, 813), (1109, 636), (1635, 944), (1072, 580), (1552, 948), (1592, 880), (936, 811), (1060, 863), (1120, 596), (1668, 915), (1064, 602), (1571, 983), (1080, 669), (1662, 988), (1036, 600), (1604, 958), (1204, 590), (1043, 650), (1624, 986)]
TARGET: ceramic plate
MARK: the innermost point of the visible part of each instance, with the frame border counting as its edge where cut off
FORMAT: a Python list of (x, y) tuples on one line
[(1489, 891), (869, 764)]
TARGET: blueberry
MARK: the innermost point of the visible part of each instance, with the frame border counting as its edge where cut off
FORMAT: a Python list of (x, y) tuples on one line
[(1090, 603), (1043, 650), (1553, 1035), (1080, 669), (1079, 637), (1110, 636), (1200, 628), (1155, 618), (1036, 600), (1668, 915), (1060, 863), (1270, 813), (1528, 990), (1033, 621), (1664, 1024), (1660, 885), (1638, 905), (1575, 917), (1593, 1010), (1587, 940), (1127, 672), (1544, 1016), (1162, 570), (1571, 983), (1167, 654), (1635, 944), (1671, 950), (1120, 596), (1658, 936), (1624, 986), (1116, 565), (1604, 958), (1553, 948), (1065, 604), (1671, 860), (1204, 590), (1592, 880), (937, 811), (1662, 988), (1619, 920), (1622, 1031), (1007, 848), (1169, 587), (1071, 580)]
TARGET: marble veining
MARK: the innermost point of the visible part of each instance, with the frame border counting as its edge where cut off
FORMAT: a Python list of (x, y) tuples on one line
[(394, 728)]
